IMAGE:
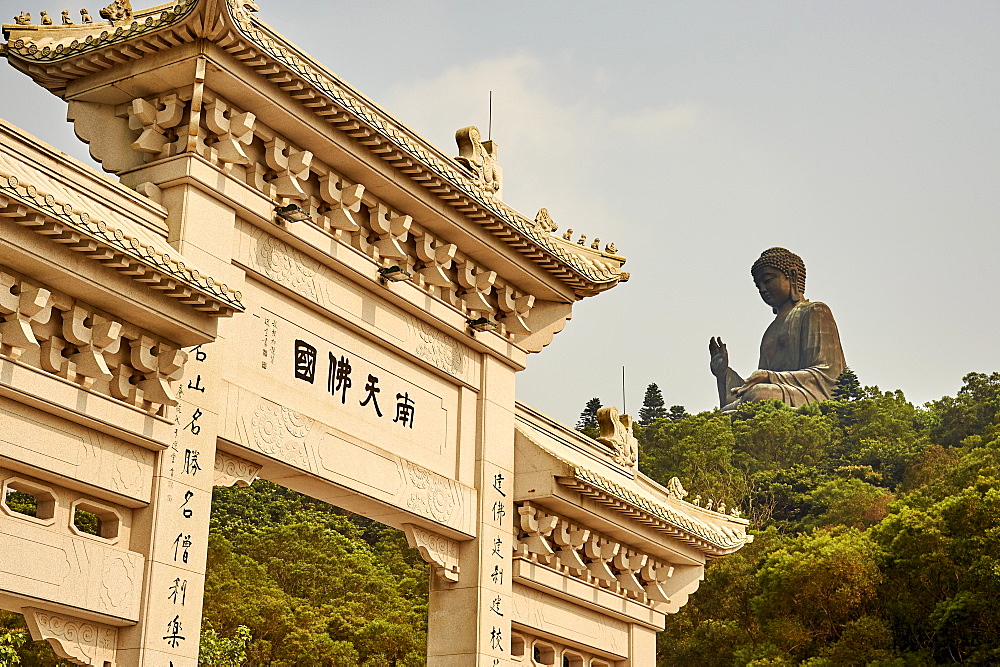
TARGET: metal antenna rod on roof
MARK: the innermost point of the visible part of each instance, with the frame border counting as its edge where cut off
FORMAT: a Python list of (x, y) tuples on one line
[(489, 128), (624, 407)]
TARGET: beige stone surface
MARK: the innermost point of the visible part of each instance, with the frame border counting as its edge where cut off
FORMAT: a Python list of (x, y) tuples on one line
[(258, 185)]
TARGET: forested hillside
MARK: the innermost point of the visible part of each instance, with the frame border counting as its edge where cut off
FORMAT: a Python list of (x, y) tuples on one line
[(878, 530), (877, 543)]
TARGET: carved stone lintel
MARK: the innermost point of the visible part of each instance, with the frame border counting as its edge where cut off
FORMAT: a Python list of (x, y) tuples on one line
[(441, 552), (82, 642), (232, 470)]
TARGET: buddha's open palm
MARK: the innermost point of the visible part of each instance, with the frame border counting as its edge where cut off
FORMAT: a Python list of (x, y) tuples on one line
[(720, 357)]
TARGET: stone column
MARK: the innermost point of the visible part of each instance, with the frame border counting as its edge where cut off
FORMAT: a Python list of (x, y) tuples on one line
[(469, 621), (173, 530)]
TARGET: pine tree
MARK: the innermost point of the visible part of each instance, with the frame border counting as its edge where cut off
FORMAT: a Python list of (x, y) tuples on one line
[(848, 388), (653, 407), (588, 418), (677, 412)]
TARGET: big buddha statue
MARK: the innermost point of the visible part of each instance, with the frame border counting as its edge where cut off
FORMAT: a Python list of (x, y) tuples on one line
[(800, 354)]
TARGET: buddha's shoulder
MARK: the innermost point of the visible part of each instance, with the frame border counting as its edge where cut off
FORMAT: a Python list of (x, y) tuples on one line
[(814, 309)]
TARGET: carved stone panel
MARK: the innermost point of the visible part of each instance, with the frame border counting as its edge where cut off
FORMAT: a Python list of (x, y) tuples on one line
[(580, 625), (313, 446), (41, 440), (79, 641), (232, 470), (439, 551), (76, 571)]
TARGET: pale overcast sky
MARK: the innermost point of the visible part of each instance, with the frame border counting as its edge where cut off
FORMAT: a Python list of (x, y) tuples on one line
[(865, 136)]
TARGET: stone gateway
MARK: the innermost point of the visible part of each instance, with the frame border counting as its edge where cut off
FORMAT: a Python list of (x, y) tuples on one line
[(284, 282)]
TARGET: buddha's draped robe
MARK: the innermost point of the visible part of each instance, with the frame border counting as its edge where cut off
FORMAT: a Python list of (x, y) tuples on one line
[(802, 355)]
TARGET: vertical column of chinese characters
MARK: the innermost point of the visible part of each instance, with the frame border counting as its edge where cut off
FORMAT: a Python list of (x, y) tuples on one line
[(498, 567), (178, 521)]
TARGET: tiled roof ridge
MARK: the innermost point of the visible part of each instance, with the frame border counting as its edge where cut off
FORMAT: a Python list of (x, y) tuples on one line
[(701, 529), (118, 240)]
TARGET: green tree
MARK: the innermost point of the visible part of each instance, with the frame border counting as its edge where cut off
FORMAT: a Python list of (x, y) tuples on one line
[(677, 412), (848, 388), (653, 406), (974, 411), (214, 649), (312, 584), (587, 424)]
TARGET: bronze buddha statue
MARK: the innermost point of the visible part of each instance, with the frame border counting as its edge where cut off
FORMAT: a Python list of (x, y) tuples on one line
[(800, 353)]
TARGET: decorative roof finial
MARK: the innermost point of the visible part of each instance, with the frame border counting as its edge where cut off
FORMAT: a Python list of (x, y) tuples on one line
[(583, 239), (481, 158), (46, 19), (676, 490), (119, 10), (545, 221), (568, 236), (616, 433), (23, 19), (611, 248), (596, 245), (85, 16), (66, 20)]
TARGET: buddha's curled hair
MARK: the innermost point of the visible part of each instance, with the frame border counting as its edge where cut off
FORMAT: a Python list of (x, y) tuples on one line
[(785, 261)]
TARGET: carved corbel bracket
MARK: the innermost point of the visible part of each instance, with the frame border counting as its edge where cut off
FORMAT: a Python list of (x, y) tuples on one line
[(20, 305), (515, 307), (158, 364), (570, 539), (155, 119), (537, 527), (234, 131), (232, 470), (599, 551), (477, 284), (343, 201), (79, 641), (437, 257), (391, 229), (92, 334), (441, 552), (292, 167)]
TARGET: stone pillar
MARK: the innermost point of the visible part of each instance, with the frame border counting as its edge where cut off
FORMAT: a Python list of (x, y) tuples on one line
[(173, 530), (469, 621)]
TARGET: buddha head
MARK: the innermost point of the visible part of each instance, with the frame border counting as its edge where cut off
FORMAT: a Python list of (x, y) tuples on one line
[(780, 275)]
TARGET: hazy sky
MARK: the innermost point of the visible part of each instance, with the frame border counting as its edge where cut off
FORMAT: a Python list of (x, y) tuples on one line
[(864, 136)]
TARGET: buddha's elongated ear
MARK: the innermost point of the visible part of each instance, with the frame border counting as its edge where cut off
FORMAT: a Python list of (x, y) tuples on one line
[(793, 279)]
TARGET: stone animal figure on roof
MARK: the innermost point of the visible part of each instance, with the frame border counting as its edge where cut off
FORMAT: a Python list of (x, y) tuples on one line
[(800, 353), (119, 10)]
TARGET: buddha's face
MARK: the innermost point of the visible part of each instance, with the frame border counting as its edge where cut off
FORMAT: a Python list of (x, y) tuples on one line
[(774, 286)]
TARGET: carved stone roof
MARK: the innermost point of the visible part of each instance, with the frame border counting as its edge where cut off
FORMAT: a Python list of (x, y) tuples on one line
[(633, 495), (55, 55), (78, 220)]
